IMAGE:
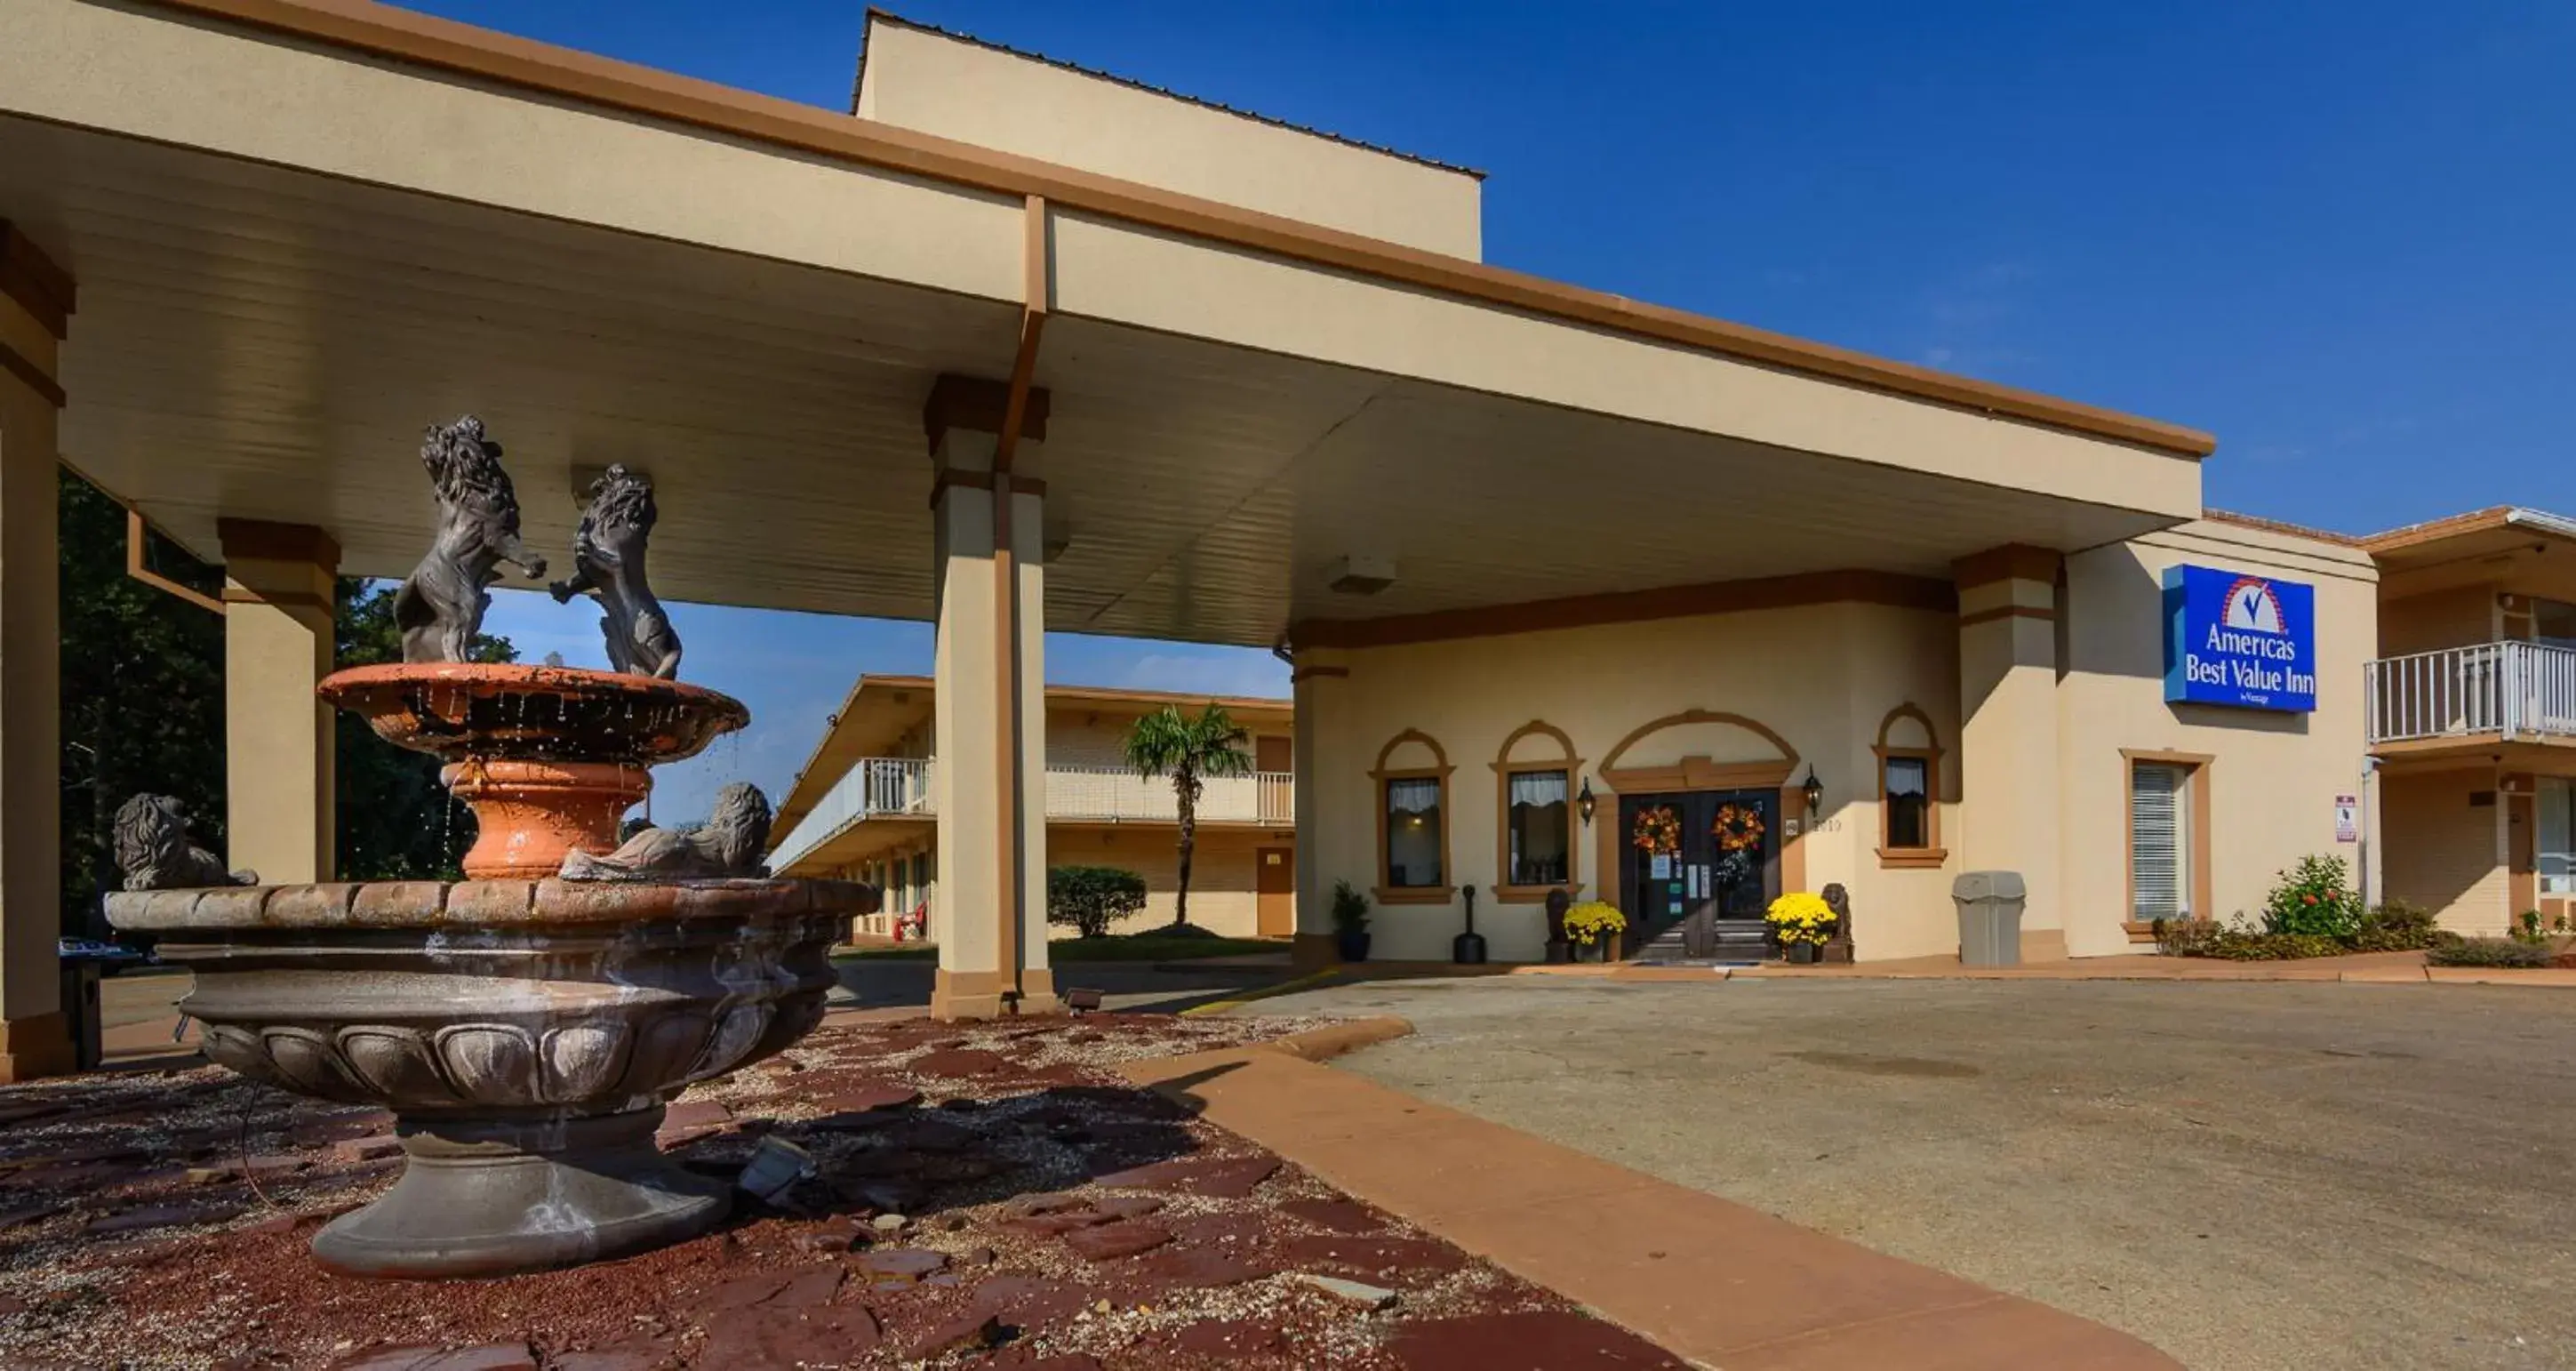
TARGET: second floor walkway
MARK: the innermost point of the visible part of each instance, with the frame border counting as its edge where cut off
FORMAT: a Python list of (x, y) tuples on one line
[(900, 787)]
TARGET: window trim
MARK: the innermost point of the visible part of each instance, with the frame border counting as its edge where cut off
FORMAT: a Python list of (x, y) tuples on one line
[(1932, 855), (1386, 891), (1504, 770), (2196, 813)]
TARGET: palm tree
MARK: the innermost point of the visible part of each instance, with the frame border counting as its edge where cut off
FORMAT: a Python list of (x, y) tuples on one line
[(1170, 743)]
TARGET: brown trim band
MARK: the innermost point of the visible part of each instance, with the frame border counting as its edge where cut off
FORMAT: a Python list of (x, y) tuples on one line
[(588, 79), (267, 541), (979, 405), (1323, 672), (23, 367), (135, 566), (1634, 606), (1987, 616), (2011, 562), (31, 278), (283, 599)]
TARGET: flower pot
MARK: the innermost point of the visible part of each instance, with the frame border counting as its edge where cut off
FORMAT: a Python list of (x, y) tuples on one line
[(1559, 951), (1803, 954), (1352, 947)]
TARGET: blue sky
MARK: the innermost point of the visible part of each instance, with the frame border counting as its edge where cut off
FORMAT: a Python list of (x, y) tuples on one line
[(2337, 235)]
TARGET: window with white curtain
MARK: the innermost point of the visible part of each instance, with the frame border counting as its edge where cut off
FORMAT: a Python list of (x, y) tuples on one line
[(2160, 840), (1537, 828), (1413, 833), (2554, 846)]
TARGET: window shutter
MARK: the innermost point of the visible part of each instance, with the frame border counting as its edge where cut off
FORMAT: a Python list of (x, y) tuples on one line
[(2159, 842)]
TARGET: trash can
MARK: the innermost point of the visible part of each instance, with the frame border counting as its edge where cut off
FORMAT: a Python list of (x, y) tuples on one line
[(1990, 904)]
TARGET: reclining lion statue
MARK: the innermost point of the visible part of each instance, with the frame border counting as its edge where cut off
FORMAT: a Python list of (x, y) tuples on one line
[(153, 851)]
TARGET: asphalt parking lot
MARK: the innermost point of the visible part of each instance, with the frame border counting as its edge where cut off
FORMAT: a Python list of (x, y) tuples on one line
[(2247, 1175)]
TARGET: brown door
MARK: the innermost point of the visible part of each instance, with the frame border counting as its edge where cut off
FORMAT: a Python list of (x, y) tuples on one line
[(1274, 885), (1271, 752)]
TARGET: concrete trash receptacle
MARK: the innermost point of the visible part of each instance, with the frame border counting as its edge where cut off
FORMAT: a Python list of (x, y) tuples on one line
[(1990, 905)]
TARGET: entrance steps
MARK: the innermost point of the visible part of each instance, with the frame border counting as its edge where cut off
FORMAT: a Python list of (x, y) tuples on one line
[(1735, 940)]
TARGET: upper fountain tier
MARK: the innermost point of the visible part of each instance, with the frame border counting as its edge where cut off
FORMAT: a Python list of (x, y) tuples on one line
[(509, 711)]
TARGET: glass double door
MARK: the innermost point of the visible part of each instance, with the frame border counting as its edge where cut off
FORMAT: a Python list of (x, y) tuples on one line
[(1722, 871)]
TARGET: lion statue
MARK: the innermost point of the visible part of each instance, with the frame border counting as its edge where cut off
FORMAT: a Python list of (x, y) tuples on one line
[(608, 562), (729, 843), (153, 851), (441, 604)]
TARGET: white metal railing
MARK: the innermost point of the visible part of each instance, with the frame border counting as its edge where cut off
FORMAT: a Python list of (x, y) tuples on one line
[(1115, 793), (877, 786), (2512, 690), (871, 787)]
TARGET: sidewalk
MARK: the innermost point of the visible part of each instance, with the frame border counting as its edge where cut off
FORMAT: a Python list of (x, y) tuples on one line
[(2364, 968), (1710, 1280)]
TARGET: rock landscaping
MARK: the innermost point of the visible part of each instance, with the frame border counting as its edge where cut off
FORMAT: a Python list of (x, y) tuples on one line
[(979, 1195)]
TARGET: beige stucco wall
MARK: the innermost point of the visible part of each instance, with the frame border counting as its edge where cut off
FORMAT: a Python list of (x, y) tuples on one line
[(1221, 872), (2444, 852), (2275, 776), (1823, 678), (2430, 622), (958, 89)]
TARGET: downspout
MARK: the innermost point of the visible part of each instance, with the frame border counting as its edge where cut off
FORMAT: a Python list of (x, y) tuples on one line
[(1006, 621)]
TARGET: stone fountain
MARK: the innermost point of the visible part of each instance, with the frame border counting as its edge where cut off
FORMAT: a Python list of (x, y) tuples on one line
[(527, 1024)]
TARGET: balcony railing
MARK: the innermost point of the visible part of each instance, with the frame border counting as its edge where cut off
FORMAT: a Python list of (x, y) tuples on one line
[(875, 787), (2508, 690)]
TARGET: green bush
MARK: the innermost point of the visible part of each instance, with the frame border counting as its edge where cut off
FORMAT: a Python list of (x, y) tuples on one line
[(2489, 952), (2396, 927), (1350, 909), (1091, 898), (2314, 898)]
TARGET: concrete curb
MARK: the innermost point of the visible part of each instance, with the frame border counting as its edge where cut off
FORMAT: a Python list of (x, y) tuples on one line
[(1264, 992), (1336, 1039)]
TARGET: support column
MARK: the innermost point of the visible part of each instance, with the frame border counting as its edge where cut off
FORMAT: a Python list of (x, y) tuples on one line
[(988, 783), (278, 753), (2010, 816), (35, 310), (1317, 681)]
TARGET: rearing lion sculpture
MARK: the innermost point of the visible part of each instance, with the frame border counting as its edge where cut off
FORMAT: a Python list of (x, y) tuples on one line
[(153, 851), (608, 561), (440, 607)]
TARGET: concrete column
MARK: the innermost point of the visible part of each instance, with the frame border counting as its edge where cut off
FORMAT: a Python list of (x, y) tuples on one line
[(2009, 814), (35, 309), (278, 612), (988, 784), (1317, 681)]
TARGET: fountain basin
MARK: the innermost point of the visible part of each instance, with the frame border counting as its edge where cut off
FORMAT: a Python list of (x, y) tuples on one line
[(548, 757), (526, 1035)]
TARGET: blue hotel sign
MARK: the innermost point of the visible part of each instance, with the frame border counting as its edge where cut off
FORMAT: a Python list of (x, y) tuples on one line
[(2234, 639)]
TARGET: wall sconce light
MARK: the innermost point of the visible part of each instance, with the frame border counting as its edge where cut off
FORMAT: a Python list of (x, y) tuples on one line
[(1815, 792), (1584, 804)]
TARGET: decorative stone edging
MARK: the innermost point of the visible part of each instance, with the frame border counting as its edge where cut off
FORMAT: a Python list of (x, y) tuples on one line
[(434, 904)]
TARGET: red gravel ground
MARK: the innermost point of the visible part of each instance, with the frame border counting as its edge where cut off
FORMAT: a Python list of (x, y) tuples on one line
[(988, 1195)]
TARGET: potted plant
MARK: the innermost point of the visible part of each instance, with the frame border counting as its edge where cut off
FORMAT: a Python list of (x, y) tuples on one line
[(1802, 923), (1350, 922), (1590, 926)]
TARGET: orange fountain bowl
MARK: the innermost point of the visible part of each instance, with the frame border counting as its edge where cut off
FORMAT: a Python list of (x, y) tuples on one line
[(513, 711)]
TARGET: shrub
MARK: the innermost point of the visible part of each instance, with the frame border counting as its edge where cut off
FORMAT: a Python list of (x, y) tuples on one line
[(2528, 929), (1090, 898), (2489, 952), (2396, 927), (2239, 941), (2314, 898), (1350, 909)]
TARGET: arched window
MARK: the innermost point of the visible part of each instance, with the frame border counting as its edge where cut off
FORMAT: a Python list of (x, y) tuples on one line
[(1909, 790), (1534, 776), (1412, 776)]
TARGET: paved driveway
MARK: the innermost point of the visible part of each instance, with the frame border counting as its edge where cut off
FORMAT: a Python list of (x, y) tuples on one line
[(2249, 1176)]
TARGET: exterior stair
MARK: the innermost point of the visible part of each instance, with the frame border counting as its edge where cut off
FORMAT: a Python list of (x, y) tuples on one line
[(1737, 940)]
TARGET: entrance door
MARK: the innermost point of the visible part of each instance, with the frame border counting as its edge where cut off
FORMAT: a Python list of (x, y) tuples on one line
[(1274, 885), (1676, 903)]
